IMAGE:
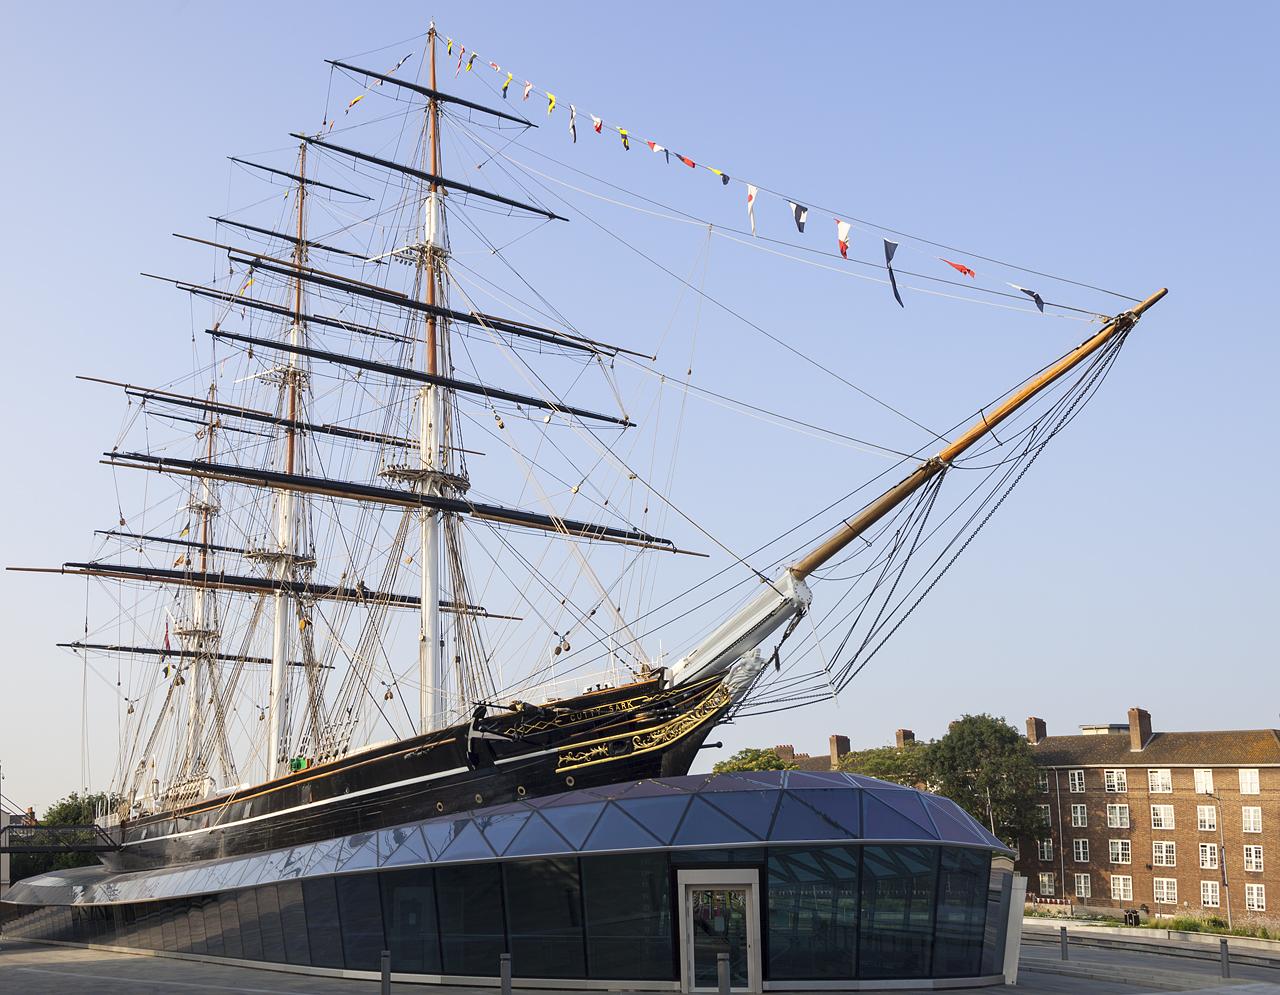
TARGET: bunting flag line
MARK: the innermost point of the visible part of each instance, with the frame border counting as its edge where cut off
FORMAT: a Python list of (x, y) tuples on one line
[(800, 213), (752, 193), (167, 649), (392, 70), (448, 46), (687, 161), (959, 267), (471, 61), (186, 531), (596, 124), (495, 67), (889, 249), (1032, 294), (626, 141), (506, 84), (842, 237), (724, 177), (462, 50), (354, 100), (528, 87), (573, 123), (551, 103)]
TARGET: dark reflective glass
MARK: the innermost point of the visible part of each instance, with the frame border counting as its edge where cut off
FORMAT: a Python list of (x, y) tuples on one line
[(573, 822), (544, 918), (250, 937), (360, 911), (813, 913), (212, 926), (736, 855), (181, 925), (409, 911), (618, 831), (324, 935), (269, 925), (705, 824), (659, 815), (229, 913), (293, 922), (469, 903), (537, 837), (628, 912), (168, 927), (896, 931), (962, 908)]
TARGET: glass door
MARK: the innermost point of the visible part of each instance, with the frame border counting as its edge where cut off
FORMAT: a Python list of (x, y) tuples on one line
[(718, 917)]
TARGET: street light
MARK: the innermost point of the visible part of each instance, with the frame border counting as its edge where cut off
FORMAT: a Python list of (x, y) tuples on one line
[(1222, 854)]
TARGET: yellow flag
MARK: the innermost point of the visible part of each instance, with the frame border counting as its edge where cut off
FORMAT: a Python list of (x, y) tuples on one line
[(551, 102), (354, 101), (626, 141), (448, 46)]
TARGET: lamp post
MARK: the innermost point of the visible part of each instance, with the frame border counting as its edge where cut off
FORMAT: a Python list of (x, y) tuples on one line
[(1222, 855)]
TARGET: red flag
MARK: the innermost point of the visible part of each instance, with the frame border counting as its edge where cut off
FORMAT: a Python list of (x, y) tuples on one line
[(959, 266), (842, 236), (687, 161)]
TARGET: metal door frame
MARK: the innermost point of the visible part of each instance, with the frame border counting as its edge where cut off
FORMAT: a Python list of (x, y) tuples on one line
[(746, 878)]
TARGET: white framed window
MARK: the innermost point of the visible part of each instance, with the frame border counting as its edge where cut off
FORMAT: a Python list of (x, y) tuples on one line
[(1046, 883), (1115, 781), (1209, 856), (1251, 819), (1161, 816), (1117, 816), (1249, 781), (1206, 818), (1079, 816), (1080, 851), (1253, 858), (1210, 894), (1255, 897), (1166, 891), (1164, 853), (1075, 781), (1121, 852), (1045, 849), (1160, 781), (1204, 781), (1121, 888), (1042, 780), (1083, 887), (1045, 818)]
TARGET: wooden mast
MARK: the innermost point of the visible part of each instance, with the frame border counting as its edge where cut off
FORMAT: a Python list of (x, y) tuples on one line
[(431, 690), (890, 499), (281, 649)]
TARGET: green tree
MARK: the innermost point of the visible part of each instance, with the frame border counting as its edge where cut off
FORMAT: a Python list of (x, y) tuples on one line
[(73, 810), (984, 765), (907, 764), (753, 759)]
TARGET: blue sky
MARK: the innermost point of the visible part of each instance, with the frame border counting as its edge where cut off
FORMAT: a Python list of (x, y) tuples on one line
[(1123, 145)]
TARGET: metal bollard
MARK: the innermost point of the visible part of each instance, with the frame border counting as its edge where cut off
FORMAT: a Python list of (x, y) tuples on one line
[(504, 972), (1062, 937), (722, 973), (1224, 955), (385, 970)]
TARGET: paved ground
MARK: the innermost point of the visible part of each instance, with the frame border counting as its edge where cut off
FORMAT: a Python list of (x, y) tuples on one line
[(40, 969)]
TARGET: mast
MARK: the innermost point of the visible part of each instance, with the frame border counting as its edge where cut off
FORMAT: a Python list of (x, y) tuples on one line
[(431, 687), (286, 538), (881, 506)]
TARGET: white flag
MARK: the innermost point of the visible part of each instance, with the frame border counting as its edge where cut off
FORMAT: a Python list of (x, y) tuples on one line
[(752, 193)]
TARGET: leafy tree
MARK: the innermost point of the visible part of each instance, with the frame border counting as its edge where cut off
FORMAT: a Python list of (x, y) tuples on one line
[(753, 759), (984, 765), (907, 764), (73, 810)]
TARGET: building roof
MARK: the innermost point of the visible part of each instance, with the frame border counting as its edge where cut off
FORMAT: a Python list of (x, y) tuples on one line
[(698, 811), (1233, 748)]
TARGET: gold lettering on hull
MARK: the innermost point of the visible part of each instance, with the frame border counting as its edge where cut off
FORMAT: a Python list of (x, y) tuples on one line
[(645, 740)]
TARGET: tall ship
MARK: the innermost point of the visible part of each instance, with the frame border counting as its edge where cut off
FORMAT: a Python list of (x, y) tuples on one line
[(329, 615)]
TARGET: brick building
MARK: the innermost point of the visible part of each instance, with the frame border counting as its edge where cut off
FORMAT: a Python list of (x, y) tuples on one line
[(1179, 822), (803, 761)]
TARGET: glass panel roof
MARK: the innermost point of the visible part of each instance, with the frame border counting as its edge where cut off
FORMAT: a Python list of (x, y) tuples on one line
[(706, 810)]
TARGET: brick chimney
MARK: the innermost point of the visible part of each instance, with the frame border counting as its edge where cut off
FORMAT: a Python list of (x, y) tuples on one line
[(1035, 730), (839, 747), (787, 752), (1139, 729), (904, 736)]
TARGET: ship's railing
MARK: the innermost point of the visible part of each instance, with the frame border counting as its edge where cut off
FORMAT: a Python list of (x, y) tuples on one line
[(55, 839), (569, 687)]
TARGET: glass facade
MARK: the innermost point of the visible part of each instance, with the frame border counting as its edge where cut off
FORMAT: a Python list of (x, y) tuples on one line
[(587, 886), (827, 913)]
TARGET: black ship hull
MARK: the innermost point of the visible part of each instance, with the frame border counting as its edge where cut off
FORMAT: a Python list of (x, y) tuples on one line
[(636, 731)]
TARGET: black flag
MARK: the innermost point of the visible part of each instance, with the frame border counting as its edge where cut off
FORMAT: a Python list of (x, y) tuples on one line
[(801, 214), (1032, 294), (889, 249)]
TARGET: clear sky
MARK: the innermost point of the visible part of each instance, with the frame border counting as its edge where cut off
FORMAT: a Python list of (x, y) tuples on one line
[(1124, 145)]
